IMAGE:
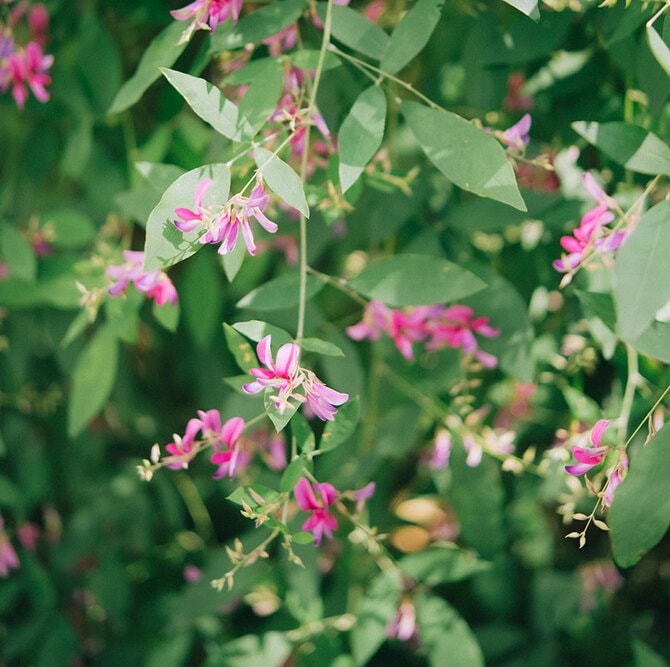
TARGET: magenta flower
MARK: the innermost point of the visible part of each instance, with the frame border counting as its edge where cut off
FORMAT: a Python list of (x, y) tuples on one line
[(181, 448), (376, 320), (191, 220), (403, 626), (592, 233), (230, 458), (588, 457), (223, 224), (321, 521), (206, 14), (321, 399), (27, 69), (155, 284), (8, 558), (283, 375), (615, 478)]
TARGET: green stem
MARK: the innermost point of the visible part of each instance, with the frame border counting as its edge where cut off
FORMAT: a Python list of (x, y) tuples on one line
[(302, 295)]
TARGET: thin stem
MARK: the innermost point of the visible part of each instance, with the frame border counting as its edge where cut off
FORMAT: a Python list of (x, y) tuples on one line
[(340, 284), (311, 106), (648, 415)]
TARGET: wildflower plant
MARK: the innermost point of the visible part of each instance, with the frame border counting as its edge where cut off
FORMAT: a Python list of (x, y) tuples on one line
[(429, 343)]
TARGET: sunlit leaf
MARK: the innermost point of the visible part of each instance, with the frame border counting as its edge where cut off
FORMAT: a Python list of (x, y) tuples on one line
[(165, 245), (257, 330), (641, 287), (415, 280), (527, 7), (266, 82), (640, 512), (411, 34), (361, 134), (240, 348), (321, 347), (281, 179), (630, 145), (659, 48), (279, 418), (162, 52), (356, 31), (208, 102), (439, 565), (469, 157)]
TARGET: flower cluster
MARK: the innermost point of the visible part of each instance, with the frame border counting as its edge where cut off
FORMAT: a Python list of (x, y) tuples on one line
[(155, 284), (206, 14), (592, 233), (231, 451), (222, 224), (589, 457), (437, 326), (25, 67), (290, 385)]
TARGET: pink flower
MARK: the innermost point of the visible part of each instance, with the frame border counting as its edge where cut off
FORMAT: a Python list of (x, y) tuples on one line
[(516, 137), (28, 534), (192, 574), (38, 19), (441, 450), (588, 457), (321, 521), (591, 234), (207, 14), (615, 478), (181, 449), (233, 456), (376, 320), (155, 284), (224, 224), (403, 626), (28, 67), (282, 375), (320, 399), (363, 495), (8, 558), (191, 220)]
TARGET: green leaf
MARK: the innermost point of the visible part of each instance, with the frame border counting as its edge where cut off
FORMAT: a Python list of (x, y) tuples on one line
[(654, 342), (415, 280), (266, 82), (444, 632), (303, 434), (241, 496), (257, 25), (165, 245), (600, 305), (162, 52), (282, 292), (411, 34), (641, 287), (346, 420), (439, 565), (355, 30), (640, 513), (232, 261), (469, 157), (294, 471), (17, 253), (527, 7), (377, 608), (645, 656), (257, 330), (278, 419), (208, 102), (659, 48), (630, 145), (321, 347), (309, 59), (240, 348), (361, 134), (281, 179), (92, 380)]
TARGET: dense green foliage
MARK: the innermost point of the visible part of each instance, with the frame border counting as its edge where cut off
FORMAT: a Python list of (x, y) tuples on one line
[(460, 227)]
